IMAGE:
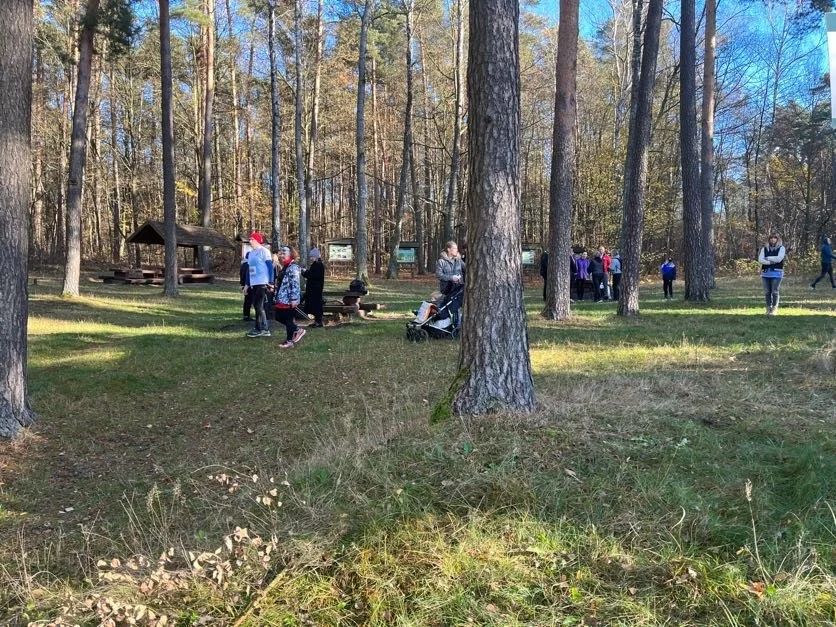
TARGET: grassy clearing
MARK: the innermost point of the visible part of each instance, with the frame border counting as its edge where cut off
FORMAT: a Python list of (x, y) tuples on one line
[(182, 470)]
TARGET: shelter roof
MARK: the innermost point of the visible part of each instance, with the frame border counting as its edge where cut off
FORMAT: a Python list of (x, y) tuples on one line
[(188, 236)]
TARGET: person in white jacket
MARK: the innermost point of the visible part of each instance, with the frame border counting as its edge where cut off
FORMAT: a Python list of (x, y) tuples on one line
[(771, 258)]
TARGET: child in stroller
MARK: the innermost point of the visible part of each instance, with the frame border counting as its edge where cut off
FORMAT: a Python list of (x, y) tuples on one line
[(438, 317)]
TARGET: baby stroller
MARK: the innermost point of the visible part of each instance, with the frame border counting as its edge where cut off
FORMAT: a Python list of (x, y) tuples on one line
[(437, 319)]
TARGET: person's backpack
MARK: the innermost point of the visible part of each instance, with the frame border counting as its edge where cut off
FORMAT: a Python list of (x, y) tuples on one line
[(358, 286)]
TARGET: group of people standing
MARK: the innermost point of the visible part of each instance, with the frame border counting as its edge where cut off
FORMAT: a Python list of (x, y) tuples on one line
[(276, 279), (602, 270)]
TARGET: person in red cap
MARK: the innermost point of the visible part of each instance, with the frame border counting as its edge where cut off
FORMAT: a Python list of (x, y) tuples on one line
[(260, 273)]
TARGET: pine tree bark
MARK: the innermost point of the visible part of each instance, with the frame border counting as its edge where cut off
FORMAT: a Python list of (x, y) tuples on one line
[(304, 236), (707, 139), (167, 128), (16, 17), (495, 368), (635, 167), (116, 199), (361, 258), (563, 159), (696, 288), (406, 155), (455, 158), (204, 190), (78, 149), (379, 179), (313, 132), (275, 109)]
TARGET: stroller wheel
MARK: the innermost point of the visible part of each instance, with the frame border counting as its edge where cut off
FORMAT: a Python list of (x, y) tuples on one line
[(455, 333), (410, 334), (421, 335)]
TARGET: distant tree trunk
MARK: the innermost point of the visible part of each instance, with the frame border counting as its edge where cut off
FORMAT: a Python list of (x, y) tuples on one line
[(380, 178), (304, 236), (406, 158), (495, 368), (16, 18), (696, 286), (204, 190), (116, 200), (362, 190), (78, 149), (167, 128), (248, 131), (426, 224), (707, 136), (236, 122), (313, 134), (563, 158), (635, 167), (452, 183), (275, 152), (38, 156)]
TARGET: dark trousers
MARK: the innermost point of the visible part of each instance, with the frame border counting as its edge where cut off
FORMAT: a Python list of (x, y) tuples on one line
[(313, 305), (616, 282), (579, 284), (286, 317), (667, 285), (826, 269), (248, 304), (597, 281), (258, 293), (544, 289)]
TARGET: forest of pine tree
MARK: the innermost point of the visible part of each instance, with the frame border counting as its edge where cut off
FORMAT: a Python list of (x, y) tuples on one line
[(773, 161)]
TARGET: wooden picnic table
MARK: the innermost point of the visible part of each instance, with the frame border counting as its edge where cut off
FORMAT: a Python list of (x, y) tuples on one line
[(155, 276), (349, 303)]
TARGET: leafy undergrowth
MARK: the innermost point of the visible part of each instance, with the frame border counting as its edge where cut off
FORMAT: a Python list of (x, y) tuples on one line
[(680, 469)]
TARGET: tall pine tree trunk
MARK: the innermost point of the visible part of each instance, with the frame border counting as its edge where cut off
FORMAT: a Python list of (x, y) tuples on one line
[(116, 198), (15, 154), (495, 368), (379, 176), (638, 141), (78, 149), (304, 235), (236, 122), (707, 138), (167, 129), (313, 133), (563, 158), (362, 191), (275, 125), (406, 156), (204, 190), (696, 286), (452, 183)]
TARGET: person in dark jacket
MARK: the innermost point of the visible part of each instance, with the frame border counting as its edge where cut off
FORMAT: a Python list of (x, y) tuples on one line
[(243, 273), (599, 277), (771, 258), (315, 277), (544, 270), (827, 258), (668, 272)]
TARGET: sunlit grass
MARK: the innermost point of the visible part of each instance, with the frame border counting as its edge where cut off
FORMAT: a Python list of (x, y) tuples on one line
[(621, 499)]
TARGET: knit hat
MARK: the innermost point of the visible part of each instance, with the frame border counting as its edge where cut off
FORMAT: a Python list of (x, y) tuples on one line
[(314, 253), (257, 237)]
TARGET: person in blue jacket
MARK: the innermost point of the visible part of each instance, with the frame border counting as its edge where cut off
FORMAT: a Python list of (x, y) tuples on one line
[(259, 277), (827, 258), (668, 271)]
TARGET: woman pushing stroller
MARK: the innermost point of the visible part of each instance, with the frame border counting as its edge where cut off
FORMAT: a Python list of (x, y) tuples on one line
[(449, 270)]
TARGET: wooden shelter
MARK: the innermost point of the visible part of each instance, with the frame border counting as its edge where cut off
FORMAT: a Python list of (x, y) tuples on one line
[(188, 236)]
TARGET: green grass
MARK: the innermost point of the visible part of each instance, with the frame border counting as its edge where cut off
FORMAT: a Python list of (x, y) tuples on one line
[(622, 500)]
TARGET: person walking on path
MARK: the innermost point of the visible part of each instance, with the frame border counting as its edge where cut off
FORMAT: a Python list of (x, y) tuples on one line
[(771, 258), (596, 269), (668, 271), (827, 258), (315, 283), (259, 273), (615, 272), (288, 294)]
